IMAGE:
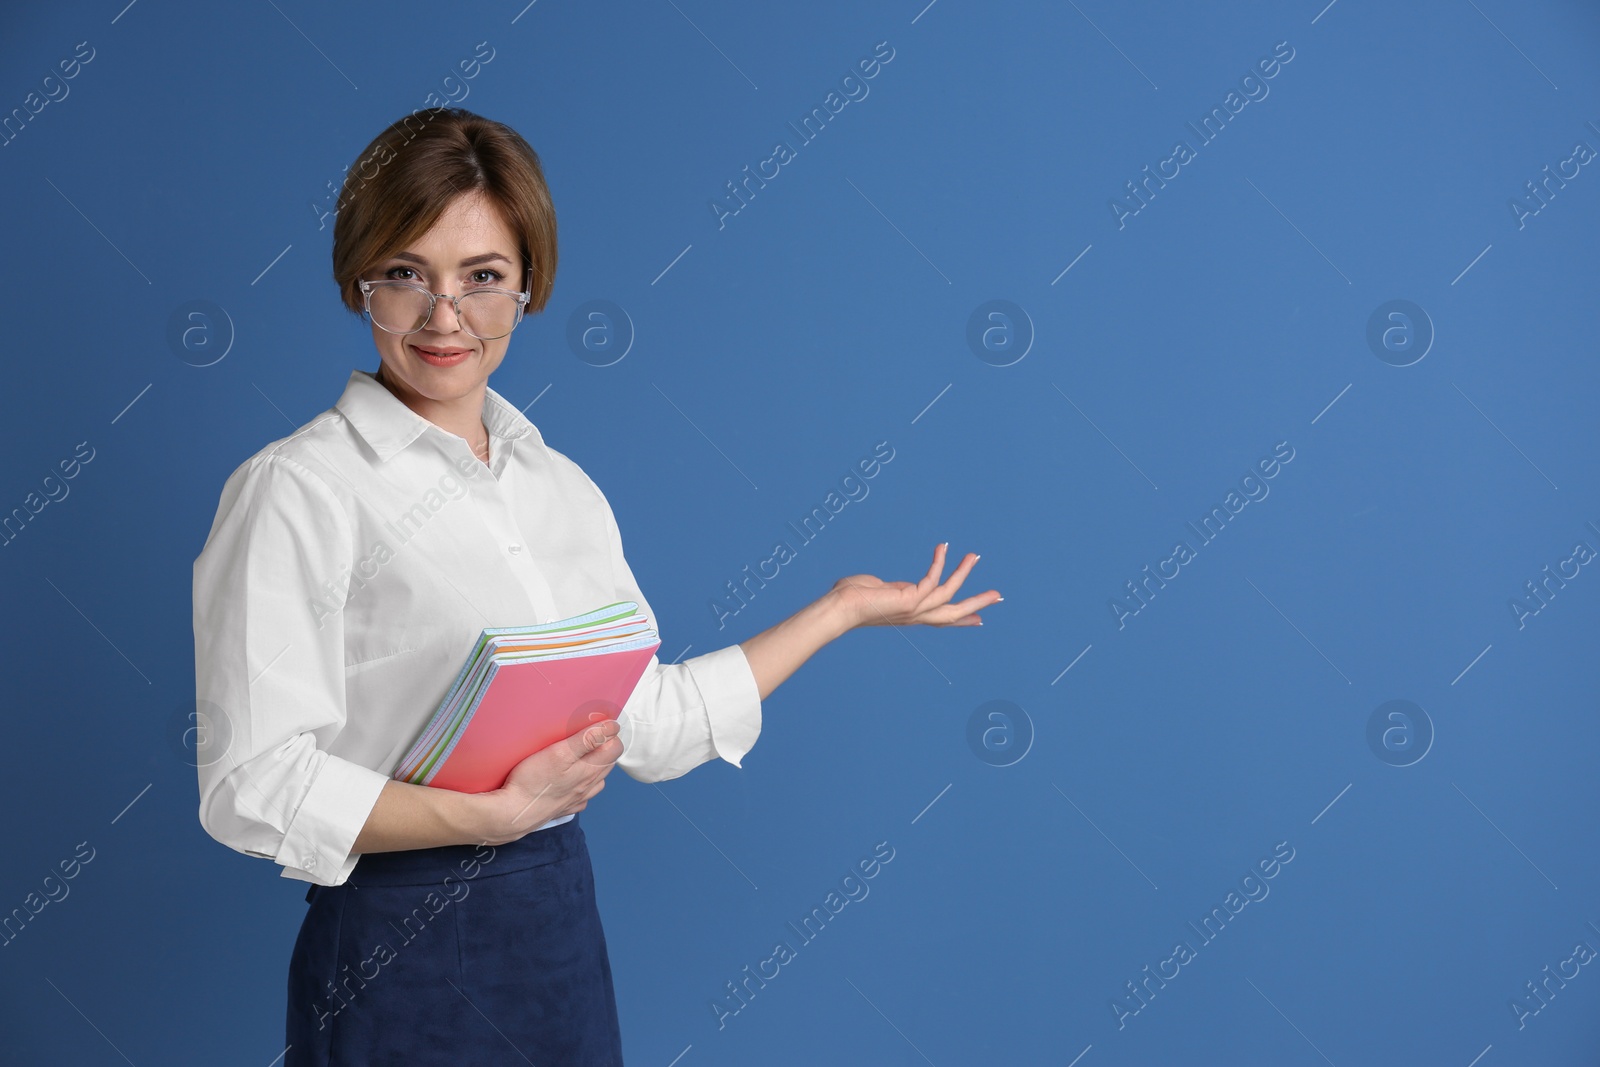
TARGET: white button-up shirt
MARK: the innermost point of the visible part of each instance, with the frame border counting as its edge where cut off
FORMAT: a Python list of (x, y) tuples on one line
[(350, 568)]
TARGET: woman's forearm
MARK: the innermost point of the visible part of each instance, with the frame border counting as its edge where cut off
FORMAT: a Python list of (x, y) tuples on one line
[(410, 816), (777, 652)]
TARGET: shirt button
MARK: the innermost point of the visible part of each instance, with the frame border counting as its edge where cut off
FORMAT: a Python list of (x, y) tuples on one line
[(311, 863), (514, 549)]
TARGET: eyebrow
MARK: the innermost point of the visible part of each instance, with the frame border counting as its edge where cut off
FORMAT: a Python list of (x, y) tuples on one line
[(487, 257)]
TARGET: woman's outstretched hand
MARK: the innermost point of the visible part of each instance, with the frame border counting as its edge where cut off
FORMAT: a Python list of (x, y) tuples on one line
[(869, 601)]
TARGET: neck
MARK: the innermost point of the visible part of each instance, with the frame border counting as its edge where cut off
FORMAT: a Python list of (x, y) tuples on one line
[(462, 416)]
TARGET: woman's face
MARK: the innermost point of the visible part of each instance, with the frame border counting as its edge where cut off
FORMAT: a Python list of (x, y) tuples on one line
[(470, 247)]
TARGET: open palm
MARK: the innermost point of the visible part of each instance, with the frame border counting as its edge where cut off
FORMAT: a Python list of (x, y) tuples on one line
[(874, 602)]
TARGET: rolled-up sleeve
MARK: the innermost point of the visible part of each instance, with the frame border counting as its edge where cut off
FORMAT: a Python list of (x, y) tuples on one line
[(682, 714), (269, 586)]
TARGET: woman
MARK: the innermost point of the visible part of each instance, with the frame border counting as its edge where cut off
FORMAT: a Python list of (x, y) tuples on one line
[(351, 566)]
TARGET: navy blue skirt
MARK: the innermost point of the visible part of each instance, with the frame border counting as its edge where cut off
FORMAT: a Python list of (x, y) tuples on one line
[(465, 954)]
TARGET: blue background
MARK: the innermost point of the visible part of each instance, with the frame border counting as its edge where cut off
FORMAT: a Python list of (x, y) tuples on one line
[(191, 161)]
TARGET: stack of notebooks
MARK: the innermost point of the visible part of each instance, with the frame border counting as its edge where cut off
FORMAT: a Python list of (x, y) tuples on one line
[(524, 688)]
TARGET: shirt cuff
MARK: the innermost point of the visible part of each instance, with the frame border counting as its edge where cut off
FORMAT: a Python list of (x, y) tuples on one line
[(732, 700), (316, 847)]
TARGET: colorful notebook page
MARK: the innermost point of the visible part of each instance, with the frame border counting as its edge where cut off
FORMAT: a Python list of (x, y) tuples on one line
[(562, 638), (577, 625), (431, 766), (599, 617), (513, 639), (609, 628), (457, 716)]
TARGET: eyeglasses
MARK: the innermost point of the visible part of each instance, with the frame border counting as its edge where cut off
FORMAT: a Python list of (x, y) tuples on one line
[(405, 307)]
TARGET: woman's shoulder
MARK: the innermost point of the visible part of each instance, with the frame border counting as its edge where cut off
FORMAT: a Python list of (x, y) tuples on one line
[(315, 456), (286, 485)]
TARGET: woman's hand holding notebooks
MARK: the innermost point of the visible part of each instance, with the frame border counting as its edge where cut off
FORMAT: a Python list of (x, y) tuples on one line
[(524, 688)]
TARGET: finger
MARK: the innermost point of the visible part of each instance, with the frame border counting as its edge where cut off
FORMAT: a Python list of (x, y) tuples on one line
[(972, 604), (935, 595), (605, 755), (959, 575), (590, 735), (583, 743), (598, 734), (944, 617), (954, 614), (596, 743), (931, 579), (963, 568)]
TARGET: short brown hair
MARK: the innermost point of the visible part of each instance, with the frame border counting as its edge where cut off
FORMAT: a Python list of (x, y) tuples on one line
[(403, 181)]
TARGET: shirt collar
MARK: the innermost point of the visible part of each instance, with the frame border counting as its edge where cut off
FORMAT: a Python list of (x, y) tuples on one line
[(388, 426)]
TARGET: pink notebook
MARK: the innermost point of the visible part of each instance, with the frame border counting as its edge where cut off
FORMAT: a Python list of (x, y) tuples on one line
[(525, 688)]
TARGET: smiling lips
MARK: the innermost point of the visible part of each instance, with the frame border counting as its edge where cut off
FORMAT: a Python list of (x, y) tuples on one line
[(442, 357)]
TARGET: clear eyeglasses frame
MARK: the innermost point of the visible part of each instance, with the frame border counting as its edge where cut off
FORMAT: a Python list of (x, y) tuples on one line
[(367, 288)]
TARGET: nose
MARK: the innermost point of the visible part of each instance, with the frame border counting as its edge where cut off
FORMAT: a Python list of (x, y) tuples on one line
[(444, 318)]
